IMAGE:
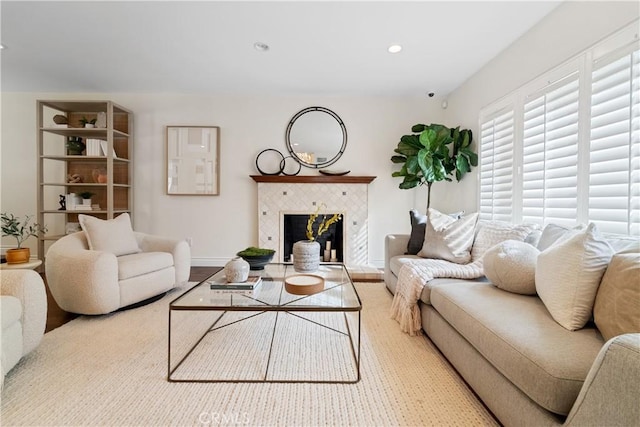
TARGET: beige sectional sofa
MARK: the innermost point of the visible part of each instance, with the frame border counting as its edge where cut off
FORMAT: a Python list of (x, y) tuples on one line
[(526, 368)]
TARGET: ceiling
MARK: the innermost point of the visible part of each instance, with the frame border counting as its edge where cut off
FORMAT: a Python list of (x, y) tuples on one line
[(330, 48)]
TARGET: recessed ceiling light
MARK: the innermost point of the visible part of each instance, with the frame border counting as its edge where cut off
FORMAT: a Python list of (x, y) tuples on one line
[(1, 46), (262, 47), (394, 48)]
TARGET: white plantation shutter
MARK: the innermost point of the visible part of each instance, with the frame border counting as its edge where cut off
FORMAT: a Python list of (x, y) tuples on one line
[(496, 167), (550, 154), (614, 176)]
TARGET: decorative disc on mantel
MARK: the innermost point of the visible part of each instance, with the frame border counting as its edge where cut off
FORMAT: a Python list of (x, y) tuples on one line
[(332, 172)]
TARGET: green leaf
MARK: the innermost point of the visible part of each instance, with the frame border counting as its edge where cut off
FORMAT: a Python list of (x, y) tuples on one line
[(407, 149), (439, 171), (409, 182), (425, 161), (462, 165), (412, 165), (473, 158), (411, 140), (398, 159), (427, 138), (418, 128)]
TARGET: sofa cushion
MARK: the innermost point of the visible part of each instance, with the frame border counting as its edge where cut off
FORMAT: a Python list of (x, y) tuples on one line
[(113, 235), (568, 275), (396, 263), (511, 266), (518, 337), (425, 296), (617, 307), (418, 225), (447, 238), (142, 263), (552, 233), (416, 238), (490, 233)]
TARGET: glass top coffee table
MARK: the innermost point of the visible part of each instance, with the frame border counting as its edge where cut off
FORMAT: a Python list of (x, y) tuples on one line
[(267, 334)]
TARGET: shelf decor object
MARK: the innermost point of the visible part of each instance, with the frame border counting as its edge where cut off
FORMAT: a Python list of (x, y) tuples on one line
[(193, 160), (304, 284), (66, 162), (270, 162), (306, 256)]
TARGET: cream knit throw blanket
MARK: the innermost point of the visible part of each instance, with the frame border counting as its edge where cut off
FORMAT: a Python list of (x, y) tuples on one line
[(413, 277)]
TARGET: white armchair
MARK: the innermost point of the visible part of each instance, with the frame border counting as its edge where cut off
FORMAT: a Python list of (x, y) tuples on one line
[(98, 282), (23, 309)]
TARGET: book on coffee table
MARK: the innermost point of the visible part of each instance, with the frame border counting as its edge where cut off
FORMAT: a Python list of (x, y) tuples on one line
[(251, 283)]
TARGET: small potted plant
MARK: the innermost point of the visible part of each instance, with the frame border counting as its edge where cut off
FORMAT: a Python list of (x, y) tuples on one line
[(86, 197), (257, 257), (21, 231), (88, 123), (75, 146)]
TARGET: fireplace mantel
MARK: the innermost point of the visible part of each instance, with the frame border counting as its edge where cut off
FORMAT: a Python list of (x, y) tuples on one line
[(313, 179), (301, 195)]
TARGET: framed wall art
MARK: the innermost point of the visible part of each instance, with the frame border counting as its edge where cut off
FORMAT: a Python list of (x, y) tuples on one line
[(193, 160)]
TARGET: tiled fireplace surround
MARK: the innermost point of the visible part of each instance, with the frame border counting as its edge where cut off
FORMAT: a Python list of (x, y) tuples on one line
[(278, 196)]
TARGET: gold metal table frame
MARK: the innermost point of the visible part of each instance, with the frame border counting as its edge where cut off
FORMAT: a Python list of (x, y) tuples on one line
[(338, 297)]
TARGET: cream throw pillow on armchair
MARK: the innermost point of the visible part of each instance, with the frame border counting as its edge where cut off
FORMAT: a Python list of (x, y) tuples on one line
[(113, 235), (447, 238)]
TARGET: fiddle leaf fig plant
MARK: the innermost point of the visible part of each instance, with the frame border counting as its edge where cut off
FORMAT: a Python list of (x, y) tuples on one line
[(433, 153)]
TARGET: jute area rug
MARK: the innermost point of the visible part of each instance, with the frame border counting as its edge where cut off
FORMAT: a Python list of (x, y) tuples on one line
[(111, 370)]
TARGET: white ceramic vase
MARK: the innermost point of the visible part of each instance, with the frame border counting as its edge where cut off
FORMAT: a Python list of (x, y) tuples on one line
[(236, 270), (306, 256)]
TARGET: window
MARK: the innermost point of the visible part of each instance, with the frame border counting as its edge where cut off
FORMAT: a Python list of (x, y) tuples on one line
[(567, 149)]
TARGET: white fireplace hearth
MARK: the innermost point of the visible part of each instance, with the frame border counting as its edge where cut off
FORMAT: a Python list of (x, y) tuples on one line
[(280, 195)]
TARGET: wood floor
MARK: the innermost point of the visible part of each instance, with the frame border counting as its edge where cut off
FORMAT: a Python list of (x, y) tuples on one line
[(57, 317)]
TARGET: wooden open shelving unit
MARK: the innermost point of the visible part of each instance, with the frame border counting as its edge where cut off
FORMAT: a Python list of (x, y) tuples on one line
[(115, 196)]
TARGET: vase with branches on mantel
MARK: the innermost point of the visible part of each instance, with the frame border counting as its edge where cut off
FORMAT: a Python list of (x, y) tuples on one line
[(306, 253), (433, 153)]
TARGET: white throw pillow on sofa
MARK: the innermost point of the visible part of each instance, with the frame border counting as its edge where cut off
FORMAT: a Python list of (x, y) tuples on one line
[(568, 274), (447, 238), (511, 266), (113, 235)]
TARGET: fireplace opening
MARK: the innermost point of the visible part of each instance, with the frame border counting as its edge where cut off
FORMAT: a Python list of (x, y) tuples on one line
[(295, 229)]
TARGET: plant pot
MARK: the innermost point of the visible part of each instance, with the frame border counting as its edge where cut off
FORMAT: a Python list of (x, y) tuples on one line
[(89, 125), (257, 262), (86, 202), (18, 255), (306, 256)]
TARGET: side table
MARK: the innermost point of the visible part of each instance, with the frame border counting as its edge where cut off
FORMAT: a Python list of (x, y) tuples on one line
[(23, 265)]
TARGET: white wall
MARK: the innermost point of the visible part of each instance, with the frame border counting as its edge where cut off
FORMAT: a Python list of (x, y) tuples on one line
[(222, 225), (569, 29)]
